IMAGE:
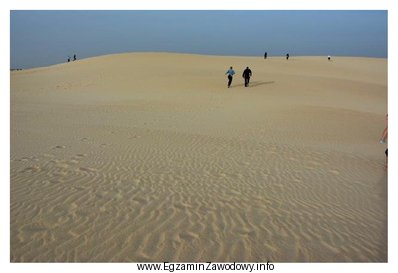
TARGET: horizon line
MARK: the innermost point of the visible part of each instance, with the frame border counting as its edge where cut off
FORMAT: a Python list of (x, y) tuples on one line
[(201, 54)]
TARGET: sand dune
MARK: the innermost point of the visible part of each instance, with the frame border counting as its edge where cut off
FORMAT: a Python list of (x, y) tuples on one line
[(149, 157)]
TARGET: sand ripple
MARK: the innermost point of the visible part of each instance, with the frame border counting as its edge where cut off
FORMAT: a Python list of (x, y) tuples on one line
[(204, 199)]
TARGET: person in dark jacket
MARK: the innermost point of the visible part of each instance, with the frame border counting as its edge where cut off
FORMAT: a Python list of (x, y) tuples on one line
[(247, 73), (383, 139), (287, 56)]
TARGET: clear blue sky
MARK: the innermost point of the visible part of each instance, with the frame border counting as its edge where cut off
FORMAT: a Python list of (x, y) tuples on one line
[(41, 38)]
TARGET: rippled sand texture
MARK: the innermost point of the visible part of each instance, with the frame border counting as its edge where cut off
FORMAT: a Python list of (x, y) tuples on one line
[(149, 157)]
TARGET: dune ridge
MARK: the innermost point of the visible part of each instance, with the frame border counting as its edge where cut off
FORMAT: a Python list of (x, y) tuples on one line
[(149, 157)]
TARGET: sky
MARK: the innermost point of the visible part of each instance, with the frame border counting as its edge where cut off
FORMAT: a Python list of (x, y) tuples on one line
[(42, 38)]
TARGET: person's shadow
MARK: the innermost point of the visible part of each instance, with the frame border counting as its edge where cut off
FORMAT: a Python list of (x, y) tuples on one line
[(258, 83), (254, 83)]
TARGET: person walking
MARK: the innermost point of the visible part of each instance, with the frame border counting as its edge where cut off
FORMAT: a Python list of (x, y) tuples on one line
[(287, 56), (74, 57), (247, 73), (230, 73), (383, 139), (68, 59), (265, 55)]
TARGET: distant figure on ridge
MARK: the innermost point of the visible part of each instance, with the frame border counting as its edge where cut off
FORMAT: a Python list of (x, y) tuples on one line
[(230, 73), (287, 56), (383, 139), (68, 59), (74, 57), (265, 55), (247, 73)]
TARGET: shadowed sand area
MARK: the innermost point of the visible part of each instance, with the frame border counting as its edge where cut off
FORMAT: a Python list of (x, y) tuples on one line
[(149, 157)]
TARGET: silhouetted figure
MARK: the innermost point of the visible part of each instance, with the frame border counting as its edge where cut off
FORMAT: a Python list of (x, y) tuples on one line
[(68, 59), (74, 57), (383, 139), (329, 58), (247, 73), (230, 73), (287, 56), (265, 55)]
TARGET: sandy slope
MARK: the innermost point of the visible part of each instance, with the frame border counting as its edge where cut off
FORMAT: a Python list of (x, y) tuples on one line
[(149, 157)]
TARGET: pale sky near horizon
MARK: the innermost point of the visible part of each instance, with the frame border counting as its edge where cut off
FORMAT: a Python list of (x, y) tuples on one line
[(41, 38)]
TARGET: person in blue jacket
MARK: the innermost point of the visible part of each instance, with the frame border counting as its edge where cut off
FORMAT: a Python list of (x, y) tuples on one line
[(230, 73)]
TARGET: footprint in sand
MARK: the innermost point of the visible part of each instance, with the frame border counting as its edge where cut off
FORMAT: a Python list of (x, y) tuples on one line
[(314, 163), (334, 172), (188, 236), (87, 169), (79, 156), (32, 169), (26, 159), (72, 162), (140, 200), (59, 147)]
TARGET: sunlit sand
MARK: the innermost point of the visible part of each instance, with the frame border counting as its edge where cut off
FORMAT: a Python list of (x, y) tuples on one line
[(150, 157)]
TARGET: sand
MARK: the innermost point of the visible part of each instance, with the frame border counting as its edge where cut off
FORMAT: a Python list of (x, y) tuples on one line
[(150, 157)]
